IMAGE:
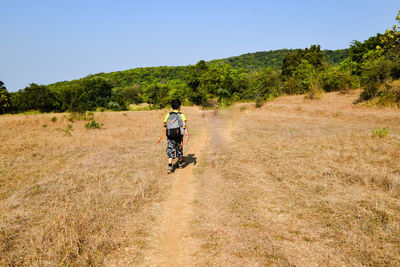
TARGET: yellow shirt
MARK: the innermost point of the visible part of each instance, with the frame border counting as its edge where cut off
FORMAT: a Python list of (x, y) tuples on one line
[(183, 116)]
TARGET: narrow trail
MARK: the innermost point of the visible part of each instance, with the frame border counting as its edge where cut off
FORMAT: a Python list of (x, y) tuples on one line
[(172, 244)]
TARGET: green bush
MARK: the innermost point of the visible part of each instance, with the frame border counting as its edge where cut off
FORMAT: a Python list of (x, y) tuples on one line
[(380, 132), (93, 125), (375, 73), (303, 76), (334, 80), (114, 106), (389, 95), (315, 92)]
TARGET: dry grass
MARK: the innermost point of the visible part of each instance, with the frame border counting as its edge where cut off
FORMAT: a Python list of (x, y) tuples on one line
[(83, 197), (302, 183), (296, 182)]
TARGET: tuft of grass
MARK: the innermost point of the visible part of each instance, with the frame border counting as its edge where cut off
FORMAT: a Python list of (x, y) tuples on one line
[(53, 119), (259, 102), (67, 129), (78, 116), (315, 92), (380, 132), (93, 125)]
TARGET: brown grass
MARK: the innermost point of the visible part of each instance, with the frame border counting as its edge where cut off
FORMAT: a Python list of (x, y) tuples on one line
[(81, 198), (296, 182), (302, 183)]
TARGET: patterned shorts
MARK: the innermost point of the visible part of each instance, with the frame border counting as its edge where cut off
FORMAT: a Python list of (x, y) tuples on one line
[(174, 146)]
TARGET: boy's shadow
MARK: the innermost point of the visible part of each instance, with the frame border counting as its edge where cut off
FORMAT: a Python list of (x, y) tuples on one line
[(189, 159)]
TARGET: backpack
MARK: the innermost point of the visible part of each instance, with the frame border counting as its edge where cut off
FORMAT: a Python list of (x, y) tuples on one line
[(175, 126)]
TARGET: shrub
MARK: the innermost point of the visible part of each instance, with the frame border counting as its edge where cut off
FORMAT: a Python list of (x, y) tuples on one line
[(54, 119), (389, 96), (259, 102), (67, 129), (303, 75), (77, 116), (315, 91), (334, 80), (380, 132), (375, 72), (114, 106), (93, 125)]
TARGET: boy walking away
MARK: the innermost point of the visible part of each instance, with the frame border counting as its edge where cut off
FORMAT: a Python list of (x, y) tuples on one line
[(175, 122)]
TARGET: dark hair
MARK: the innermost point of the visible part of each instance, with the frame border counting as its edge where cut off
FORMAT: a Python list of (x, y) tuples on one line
[(176, 103)]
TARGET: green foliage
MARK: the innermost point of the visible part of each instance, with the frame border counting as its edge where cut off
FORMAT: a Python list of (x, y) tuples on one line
[(359, 49), (53, 119), (380, 132), (315, 91), (388, 95), (303, 75), (114, 106), (5, 99), (156, 95), (273, 59), (264, 84), (379, 59), (333, 80), (376, 71), (93, 125), (67, 130), (223, 81), (313, 55), (76, 116), (86, 94), (259, 102), (35, 97)]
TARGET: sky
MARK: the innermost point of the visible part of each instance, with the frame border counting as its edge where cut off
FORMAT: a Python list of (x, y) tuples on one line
[(45, 41)]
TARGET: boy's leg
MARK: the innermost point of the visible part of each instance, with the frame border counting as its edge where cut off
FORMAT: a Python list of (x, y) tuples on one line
[(170, 154), (179, 153)]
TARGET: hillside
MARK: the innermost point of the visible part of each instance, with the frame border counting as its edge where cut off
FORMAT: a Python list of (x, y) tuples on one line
[(251, 61), (274, 58)]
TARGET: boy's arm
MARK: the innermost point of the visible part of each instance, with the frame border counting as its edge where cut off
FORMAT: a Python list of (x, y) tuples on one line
[(186, 132), (165, 120)]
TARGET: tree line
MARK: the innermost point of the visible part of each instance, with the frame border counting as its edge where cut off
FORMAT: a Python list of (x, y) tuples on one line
[(373, 64)]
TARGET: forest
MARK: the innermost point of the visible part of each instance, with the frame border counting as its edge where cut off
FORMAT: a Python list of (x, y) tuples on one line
[(372, 64)]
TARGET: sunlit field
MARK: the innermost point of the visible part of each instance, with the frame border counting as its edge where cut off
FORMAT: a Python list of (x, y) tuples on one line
[(295, 182)]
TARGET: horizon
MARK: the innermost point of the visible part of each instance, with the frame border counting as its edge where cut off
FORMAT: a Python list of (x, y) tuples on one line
[(46, 44)]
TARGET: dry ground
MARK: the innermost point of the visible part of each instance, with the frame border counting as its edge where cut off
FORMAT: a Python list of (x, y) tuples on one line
[(294, 183), (85, 198), (301, 183)]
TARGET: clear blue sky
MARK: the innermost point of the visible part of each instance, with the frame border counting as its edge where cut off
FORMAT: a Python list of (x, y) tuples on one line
[(45, 41)]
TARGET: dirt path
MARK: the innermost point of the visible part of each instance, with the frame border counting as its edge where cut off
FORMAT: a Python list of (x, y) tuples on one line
[(172, 244)]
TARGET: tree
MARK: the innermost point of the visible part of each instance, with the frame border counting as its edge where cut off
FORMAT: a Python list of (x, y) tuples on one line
[(291, 61), (156, 95), (35, 97), (303, 75), (5, 99), (197, 95), (86, 94), (263, 84)]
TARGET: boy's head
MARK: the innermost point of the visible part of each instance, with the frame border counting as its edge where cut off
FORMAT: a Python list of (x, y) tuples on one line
[(176, 104)]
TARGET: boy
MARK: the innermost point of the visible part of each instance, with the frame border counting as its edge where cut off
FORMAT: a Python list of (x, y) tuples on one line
[(175, 122)]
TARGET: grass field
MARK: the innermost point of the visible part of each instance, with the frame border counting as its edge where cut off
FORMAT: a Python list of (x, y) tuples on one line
[(294, 183)]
